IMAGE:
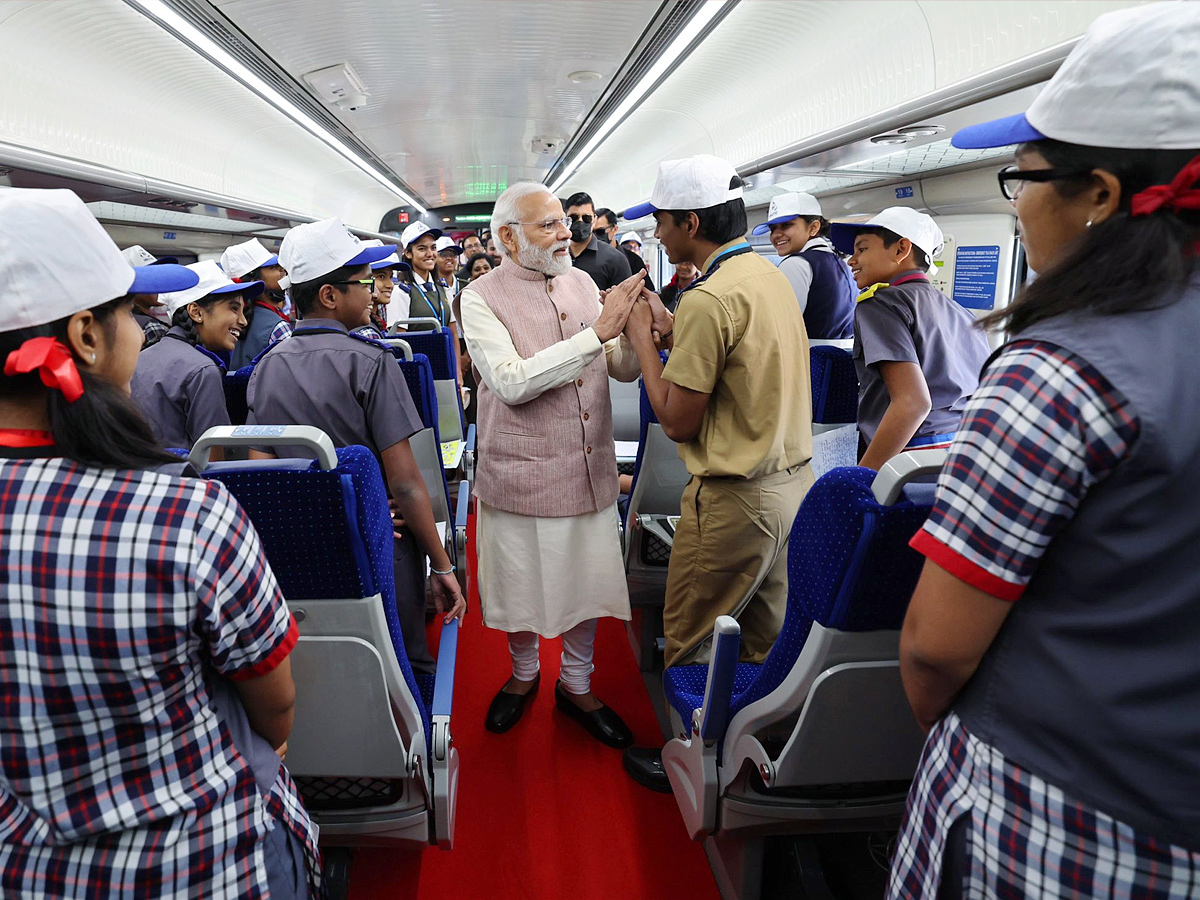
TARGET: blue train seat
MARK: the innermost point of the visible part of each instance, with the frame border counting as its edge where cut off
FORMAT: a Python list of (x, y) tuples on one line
[(834, 384), (439, 347), (823, 722), (236, 384), (426, 447), (370, 748)]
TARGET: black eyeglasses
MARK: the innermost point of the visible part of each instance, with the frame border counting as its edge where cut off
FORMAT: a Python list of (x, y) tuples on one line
[(1011, 178), (585, 218)]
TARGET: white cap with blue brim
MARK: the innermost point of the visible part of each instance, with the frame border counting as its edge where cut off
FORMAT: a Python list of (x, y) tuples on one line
[(789, 206), (317, 248), (56, 260), (698, 182), (918, 227), (1132, 82), (210, 280)]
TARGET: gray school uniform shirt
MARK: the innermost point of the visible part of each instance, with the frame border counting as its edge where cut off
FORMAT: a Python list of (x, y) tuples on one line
[(912, 321), (347, 385), (180, 388)]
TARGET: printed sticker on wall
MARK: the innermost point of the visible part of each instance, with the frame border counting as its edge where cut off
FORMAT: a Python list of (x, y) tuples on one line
[(975, 273)]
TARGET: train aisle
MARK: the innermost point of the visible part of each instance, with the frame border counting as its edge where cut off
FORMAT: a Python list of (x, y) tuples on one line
[(545, 810)]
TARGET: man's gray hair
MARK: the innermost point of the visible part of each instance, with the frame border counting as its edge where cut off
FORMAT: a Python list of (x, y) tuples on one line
[(507, 208)]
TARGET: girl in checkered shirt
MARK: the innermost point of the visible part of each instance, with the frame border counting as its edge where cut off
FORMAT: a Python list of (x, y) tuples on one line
[(143, 640)]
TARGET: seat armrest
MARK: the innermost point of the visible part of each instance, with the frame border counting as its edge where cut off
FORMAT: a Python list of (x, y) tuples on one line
[(461, 507), (718, 690), (443, 684)]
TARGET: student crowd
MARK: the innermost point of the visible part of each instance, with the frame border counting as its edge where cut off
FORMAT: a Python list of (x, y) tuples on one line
[(1051, 647)]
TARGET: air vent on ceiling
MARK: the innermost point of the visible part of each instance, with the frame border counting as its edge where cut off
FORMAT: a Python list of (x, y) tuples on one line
[(214, 24)]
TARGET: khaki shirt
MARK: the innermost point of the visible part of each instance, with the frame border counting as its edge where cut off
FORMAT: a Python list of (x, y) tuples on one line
[(739, 336)]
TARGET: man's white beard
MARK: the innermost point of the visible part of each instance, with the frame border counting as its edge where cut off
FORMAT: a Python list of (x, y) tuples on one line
[(542, 259)]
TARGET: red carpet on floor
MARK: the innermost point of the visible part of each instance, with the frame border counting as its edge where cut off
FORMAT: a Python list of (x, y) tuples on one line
[(546, 811)]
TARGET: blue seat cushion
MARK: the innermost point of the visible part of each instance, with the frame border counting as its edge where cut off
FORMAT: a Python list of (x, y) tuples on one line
[(849, 568), (684, 686), (834, 385)]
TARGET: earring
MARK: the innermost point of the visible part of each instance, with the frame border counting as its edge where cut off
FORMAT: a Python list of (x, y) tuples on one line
[(1089, 224), (93, 357)]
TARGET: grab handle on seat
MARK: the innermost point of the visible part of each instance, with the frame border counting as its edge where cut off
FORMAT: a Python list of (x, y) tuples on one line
[(404, 346), (718, 692), (899, 470), (420, 320), (306, 436)]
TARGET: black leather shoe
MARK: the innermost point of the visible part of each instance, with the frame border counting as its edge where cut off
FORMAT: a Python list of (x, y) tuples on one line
[(506, 708), (645, 766), (603, 724)]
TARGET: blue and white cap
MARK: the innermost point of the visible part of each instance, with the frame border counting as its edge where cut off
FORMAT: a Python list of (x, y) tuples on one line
[(388, 262), (210, 280), (318, 248), (918, 227), (698, 182), (56, 260), (246, 257), (786, 207), (1133, 82)]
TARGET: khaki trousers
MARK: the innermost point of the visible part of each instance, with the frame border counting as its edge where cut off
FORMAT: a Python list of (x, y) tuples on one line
[(730, 558)]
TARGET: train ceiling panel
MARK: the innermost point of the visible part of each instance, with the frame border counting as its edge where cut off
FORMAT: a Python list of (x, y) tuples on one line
[(457, 92), (775, 78)]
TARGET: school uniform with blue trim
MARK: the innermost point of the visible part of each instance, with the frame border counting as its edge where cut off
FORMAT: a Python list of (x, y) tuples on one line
[(824, 288), (180, 389), (909, 320)]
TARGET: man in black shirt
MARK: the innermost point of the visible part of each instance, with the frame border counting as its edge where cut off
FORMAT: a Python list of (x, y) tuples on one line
[(606, 264)]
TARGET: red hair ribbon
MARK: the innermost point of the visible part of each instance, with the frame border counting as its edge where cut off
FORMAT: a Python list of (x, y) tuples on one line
[(1176, 196), (53, 362)]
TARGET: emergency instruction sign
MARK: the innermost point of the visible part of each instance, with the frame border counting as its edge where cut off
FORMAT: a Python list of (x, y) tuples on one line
[(975, 272)]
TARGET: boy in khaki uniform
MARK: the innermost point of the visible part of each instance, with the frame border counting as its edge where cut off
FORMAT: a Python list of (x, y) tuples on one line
[(735, 395)]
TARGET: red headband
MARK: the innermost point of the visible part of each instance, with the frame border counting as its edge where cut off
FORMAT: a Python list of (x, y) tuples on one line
[(1176, 196), (53, 362)]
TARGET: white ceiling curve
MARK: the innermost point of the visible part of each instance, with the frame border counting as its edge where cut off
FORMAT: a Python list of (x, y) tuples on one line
[(458, 90), (774, 73), (93, 80)]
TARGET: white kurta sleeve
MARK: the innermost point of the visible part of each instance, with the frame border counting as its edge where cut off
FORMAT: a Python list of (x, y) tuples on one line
[(799, 274), (513, 379)]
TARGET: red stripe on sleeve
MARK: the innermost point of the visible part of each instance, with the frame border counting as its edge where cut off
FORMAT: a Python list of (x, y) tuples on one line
[(278, 655), (963, 569)]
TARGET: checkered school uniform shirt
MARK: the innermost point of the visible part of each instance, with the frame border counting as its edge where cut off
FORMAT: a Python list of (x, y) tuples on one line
[(281, 332), (1043, 427), (116, 776)]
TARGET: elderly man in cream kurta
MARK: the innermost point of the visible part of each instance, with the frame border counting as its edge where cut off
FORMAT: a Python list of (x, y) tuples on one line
[(548, 530)]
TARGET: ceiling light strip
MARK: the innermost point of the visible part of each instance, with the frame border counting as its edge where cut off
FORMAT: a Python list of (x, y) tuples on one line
[(686, 41), (173, 22)]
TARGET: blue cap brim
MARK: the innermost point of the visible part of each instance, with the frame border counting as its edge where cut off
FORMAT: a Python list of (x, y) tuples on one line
[(778, 220), (637, 212), (162, 279), (273, 261), (997, 133), (249, 289), (385, 264), (372, 255), (842, 235)]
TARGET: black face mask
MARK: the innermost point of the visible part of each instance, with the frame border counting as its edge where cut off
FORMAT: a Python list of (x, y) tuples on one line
[(580, 231)]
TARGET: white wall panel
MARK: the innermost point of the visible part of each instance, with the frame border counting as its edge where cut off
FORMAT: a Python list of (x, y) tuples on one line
[(775, 73), (96, 81)]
